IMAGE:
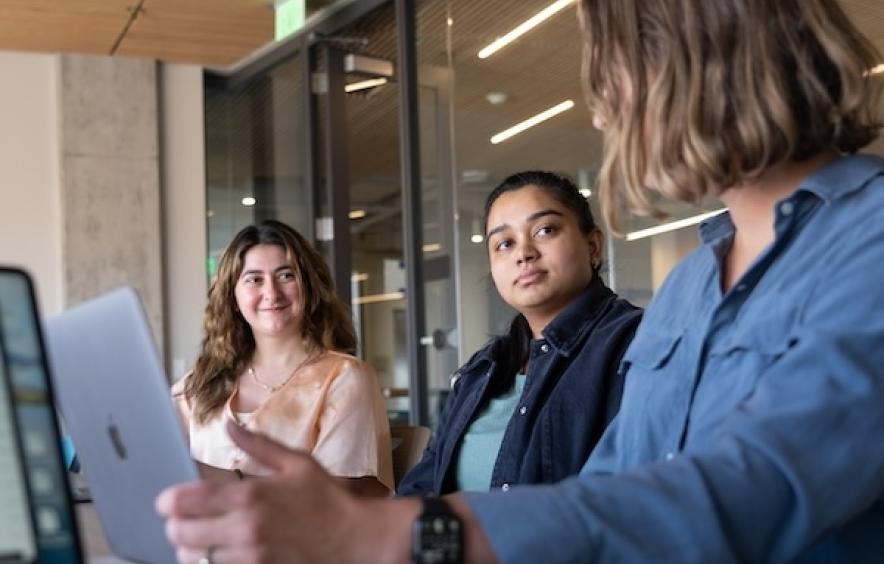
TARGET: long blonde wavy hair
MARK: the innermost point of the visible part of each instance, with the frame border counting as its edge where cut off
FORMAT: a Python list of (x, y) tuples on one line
[(228, 343), (703, 95)]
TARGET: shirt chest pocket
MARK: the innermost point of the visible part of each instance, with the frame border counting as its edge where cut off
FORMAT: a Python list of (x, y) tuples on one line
[(738, 360), (756, 341), (659, 380), (650, 351)]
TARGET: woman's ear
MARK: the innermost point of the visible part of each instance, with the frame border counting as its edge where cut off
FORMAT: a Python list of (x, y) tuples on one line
[(596, 241)]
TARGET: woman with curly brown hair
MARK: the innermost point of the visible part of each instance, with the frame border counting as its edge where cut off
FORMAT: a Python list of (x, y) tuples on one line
[(276, 358)]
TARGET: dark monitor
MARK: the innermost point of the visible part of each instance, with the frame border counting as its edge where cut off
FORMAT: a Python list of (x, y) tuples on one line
[(17, 543), (30, 391)]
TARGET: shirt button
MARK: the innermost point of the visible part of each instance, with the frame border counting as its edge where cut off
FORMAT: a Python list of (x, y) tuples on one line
[(786, 208), (505, 487), (523, 410), (544, 348), (670, 455), (741, 288)]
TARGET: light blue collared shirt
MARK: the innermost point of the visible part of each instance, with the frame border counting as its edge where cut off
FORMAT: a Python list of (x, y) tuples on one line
[(752, 422)]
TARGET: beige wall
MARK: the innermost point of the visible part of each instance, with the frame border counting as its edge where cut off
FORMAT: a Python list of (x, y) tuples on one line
[(30, 215), (32, 184), (183, 176)]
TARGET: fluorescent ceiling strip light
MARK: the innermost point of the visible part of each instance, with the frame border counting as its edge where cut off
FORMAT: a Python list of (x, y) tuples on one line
[(356, 214), (532, 121), (375, 298), (672, 225), (524, 27), (878, 69), (432, 247), (363, 84)]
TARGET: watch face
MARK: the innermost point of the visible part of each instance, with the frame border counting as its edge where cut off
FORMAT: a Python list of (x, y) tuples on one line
[(437, 537)]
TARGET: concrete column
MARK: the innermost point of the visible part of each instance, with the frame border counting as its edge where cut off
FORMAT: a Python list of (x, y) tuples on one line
[(110, 180)]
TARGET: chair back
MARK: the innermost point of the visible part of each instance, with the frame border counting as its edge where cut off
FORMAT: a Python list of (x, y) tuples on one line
[(409, 442)]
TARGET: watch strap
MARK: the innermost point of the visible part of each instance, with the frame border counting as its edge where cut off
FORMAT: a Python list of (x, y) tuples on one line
[(437, 534)]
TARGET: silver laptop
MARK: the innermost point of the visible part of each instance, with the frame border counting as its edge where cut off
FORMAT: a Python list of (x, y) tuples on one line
[(114, 398), (36, 523)]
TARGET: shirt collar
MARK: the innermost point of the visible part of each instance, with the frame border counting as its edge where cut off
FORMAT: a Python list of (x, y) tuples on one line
[(716, 227), (842, 177), (567, 328), (837, 179)]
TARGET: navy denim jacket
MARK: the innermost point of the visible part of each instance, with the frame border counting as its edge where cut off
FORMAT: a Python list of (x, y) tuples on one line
[(571, 393)]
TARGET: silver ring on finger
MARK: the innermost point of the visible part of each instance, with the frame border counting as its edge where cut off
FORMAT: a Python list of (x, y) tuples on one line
[(207, 559)]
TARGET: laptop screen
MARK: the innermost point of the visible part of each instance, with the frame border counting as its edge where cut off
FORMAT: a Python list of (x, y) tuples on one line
[(34, 411)]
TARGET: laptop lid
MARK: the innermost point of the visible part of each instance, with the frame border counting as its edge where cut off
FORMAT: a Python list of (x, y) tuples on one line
[(31, 398), (115, 401)]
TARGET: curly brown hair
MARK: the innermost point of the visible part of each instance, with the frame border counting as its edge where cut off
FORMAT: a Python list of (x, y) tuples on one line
[(701, 96), (228, 343)]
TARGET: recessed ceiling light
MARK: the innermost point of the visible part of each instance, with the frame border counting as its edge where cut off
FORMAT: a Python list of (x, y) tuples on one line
[(877, 69), (249, 201), (524, 27), (532, 121), (496, 98), (477, 238), (585, 192), (357, 214)]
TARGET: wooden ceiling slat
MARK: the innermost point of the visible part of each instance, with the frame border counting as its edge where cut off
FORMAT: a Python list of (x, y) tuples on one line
[(214, 33), (221, 32), (205, 32), (86, 26)]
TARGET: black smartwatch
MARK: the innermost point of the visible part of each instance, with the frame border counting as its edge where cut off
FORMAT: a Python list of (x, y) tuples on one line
[(437, 534)]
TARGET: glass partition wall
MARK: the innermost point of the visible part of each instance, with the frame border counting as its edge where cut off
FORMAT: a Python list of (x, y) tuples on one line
[(254, 164), (324, 137)]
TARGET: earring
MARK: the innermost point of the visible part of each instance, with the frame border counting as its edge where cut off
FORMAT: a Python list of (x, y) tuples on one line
[(595, 263)]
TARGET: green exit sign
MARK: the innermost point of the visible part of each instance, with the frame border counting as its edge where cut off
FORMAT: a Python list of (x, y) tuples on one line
[(290, 16)]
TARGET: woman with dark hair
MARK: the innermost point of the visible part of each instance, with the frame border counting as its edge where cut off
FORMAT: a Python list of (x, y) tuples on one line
[(276, 358), (530, 405)]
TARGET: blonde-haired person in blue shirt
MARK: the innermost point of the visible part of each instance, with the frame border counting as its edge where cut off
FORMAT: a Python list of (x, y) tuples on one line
[(751, 421)]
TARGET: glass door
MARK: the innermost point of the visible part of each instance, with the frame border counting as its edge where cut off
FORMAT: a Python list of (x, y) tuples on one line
[(364, 223)]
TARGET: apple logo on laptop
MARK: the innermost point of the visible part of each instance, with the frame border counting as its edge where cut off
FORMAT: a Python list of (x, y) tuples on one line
[(116, 439)]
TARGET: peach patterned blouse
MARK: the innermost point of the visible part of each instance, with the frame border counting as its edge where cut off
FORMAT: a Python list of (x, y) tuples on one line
[(331, 408)]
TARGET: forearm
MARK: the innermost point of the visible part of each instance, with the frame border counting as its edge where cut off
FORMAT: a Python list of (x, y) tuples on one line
[(477, 548), (753, 498), (385, 534)]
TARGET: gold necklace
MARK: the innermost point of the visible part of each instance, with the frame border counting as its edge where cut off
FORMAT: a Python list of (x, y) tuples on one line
[(273, 389)]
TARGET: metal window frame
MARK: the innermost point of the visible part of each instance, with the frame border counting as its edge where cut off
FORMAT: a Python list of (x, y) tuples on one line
[(412, 225)]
